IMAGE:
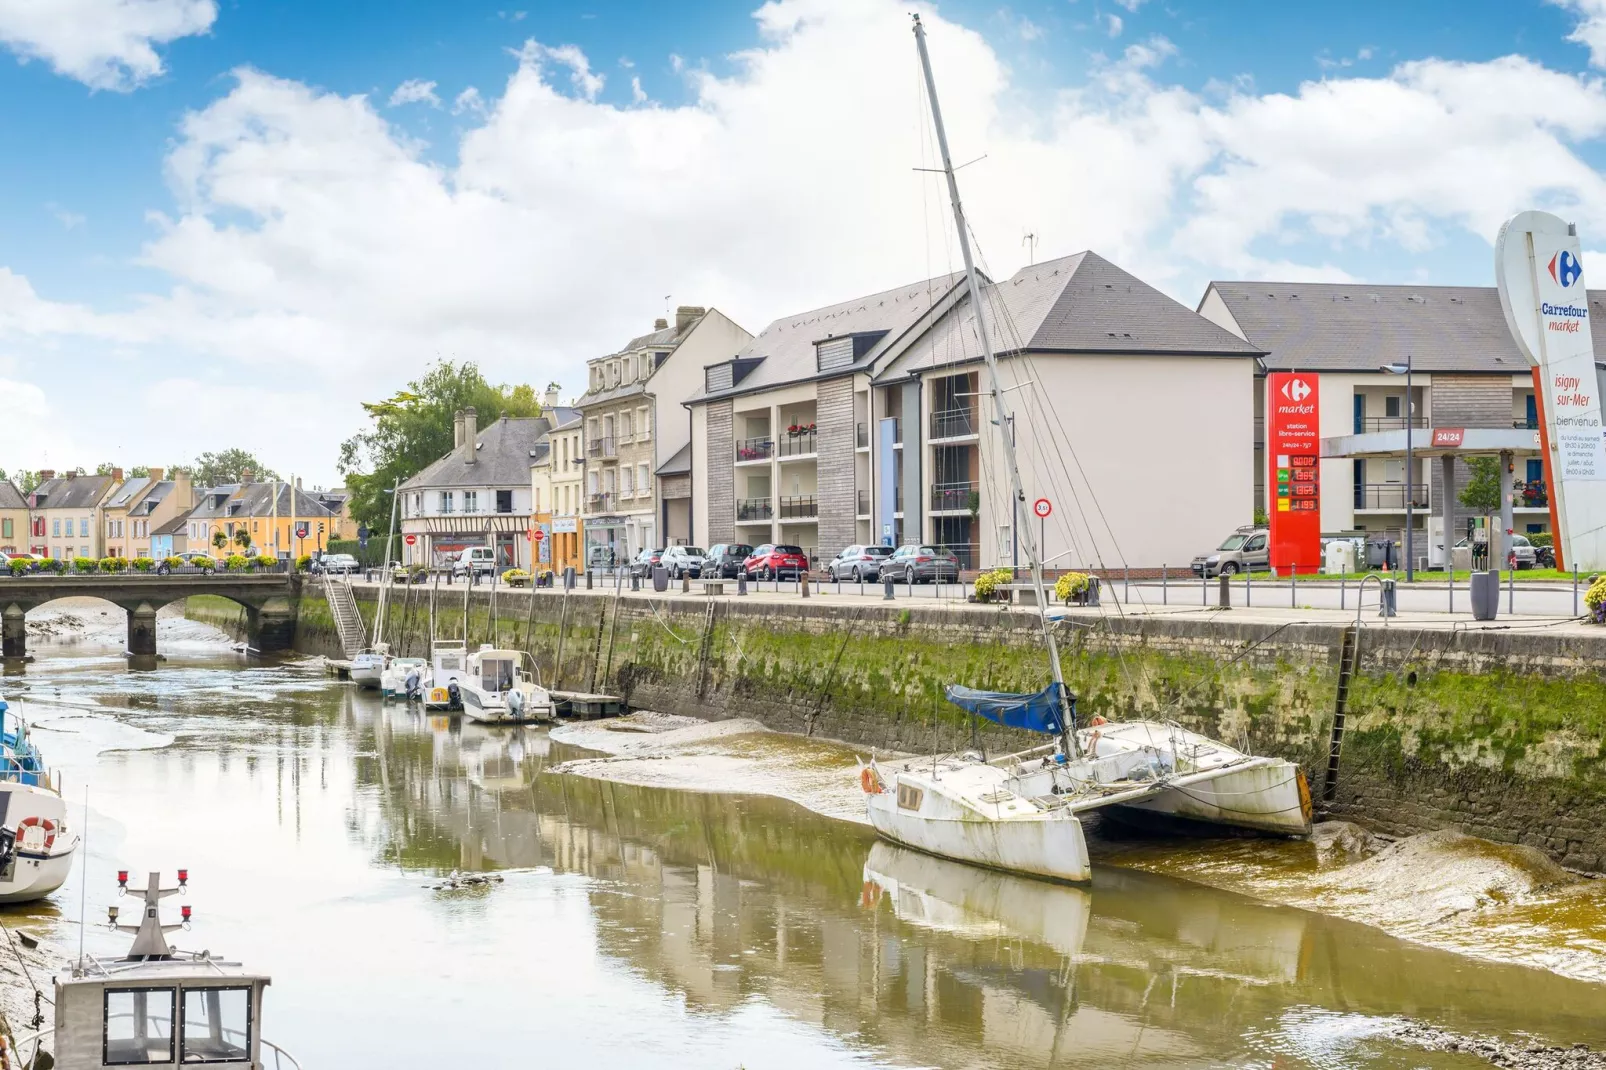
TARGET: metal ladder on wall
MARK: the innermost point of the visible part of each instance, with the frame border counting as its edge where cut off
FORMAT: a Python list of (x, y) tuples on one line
[(343, 607), (1349, 656)]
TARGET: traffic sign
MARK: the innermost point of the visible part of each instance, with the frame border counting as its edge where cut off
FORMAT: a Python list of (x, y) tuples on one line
[(538, 535), (410, 538), (301, 529), (1042, 507)]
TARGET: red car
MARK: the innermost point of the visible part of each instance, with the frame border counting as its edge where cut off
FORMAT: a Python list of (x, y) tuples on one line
[(777, 561)]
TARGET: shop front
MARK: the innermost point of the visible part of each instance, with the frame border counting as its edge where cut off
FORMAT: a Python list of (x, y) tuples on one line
[(605, 542)]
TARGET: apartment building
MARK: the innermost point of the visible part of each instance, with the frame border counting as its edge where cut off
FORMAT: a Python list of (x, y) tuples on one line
[(1471, 394), (13, 518), (557, 476), (632, 401), (66, 519)]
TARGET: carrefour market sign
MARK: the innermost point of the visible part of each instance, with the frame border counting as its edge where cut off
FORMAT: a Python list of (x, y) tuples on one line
[(1539, 269)]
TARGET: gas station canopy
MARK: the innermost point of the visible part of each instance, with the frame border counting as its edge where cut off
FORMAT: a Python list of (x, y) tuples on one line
[(1434, 442)]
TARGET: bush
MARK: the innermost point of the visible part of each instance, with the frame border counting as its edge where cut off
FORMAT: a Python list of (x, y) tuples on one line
[(19, 565), (53, 564), (142, 564), (516, 577), (304, 562), (1542, 538), (1595, 599), (113, 564), (989, 584), (85, 564), (235, 563), (174, 562), (1070, 584), (201, 561), (267, 561)]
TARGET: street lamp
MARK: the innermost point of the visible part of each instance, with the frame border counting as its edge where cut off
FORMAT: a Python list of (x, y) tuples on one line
[(1397, 368)]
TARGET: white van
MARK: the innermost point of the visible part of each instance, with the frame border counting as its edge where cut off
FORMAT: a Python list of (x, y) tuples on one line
[(478, 559)]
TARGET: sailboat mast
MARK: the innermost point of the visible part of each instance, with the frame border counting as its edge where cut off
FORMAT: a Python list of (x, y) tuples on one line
[(1000, 416)]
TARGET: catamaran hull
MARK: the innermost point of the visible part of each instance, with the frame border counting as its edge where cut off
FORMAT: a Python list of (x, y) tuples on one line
[(1050, 847), (1271, 797)]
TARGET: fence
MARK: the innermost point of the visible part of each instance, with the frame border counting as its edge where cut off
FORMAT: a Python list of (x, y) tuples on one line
[(798, 445), (755, 449)]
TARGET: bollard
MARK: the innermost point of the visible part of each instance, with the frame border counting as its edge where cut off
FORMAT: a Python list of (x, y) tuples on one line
[(1511, 591), (568, 578), (1204, 587), (1165, 586), (1343, 585), (890, 593), (1249, 588), (1385, 598), (741, 582), (803, 584), (588, 579), (1225, 601), (1575, 590), (1126, 584), (635, 582), (1293, 586), (685, 583), (1450, 583)]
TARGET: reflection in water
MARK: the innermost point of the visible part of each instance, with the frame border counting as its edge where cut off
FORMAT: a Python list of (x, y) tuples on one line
[(642, 926)]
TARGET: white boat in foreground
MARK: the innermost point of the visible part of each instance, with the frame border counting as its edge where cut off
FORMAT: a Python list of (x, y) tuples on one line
[(157, 1006), (36, 843), (500, 688), (367, 666), (393, 681)]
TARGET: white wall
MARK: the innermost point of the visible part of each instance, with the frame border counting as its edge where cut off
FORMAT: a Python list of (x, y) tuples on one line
[(714, 339)]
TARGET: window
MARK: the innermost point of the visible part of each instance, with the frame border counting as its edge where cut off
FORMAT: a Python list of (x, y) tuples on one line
[(418, 503), (1391, 406), (643, 424), (471, 501), (626, 487), (624, 427), (5, 528), (608, 483), (139, 1026), (504, 501), (55, 527), (83, 527), (644, 480), (446, 501), (217, 1025), (592, 482)]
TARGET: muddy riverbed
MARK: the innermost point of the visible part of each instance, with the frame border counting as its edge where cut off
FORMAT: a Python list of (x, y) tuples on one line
[(638, 924)]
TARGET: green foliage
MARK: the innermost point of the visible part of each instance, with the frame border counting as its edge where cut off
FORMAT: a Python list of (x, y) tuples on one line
[(236, 563), (228, 466), (18, 566), (516, 577), (53, 564), (173, 562), (85, 564), (1483, 489), (24, 480), (990, 584), (1262, 520), (1070, 584), (220, 539), (201, 561), (142, 564), (1595, 597), (304, 562), (372, 557), (266, 561), (1542, 538), (242, 539), (413, 428), (113, 564)]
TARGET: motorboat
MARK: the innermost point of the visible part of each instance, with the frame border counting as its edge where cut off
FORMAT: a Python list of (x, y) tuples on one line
[(36, 843), (500, 688), (393, 681), (156, 1005), (368, 666), (448, 666)]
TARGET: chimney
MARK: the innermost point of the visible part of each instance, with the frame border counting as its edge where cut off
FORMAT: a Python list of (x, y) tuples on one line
[(46, 473), (550, 400), (457, 430), (686, 315), (659, 324), (117, 475), (157, 474), (245, 477), (471, 432)]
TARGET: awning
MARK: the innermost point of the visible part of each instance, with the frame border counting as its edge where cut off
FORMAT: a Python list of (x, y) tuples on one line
[(1038, 711)]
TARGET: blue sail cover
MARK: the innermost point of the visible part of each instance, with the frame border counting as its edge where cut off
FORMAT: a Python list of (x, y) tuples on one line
[(1038, 711)]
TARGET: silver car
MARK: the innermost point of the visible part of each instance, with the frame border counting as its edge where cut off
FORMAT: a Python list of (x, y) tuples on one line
[(858, 563), (1245, 550), (683, 561)]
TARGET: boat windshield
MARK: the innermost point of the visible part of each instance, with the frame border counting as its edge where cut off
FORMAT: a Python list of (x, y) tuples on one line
[(217, 1025), (496, 674)]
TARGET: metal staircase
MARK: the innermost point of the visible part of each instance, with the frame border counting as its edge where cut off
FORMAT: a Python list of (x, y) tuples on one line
[(343, 607)]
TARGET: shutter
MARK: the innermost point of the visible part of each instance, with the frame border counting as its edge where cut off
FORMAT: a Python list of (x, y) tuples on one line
[(718, 377), (837, 353)]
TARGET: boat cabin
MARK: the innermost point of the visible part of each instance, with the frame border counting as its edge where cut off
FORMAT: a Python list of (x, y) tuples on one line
[(173, 1013), (496, 671)]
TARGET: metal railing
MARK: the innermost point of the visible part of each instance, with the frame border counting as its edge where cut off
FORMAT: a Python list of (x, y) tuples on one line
[(864, 503), (1389, 496), (953, 497), (800, 507), (599, 503), (602, 447), (799, 444), (754, 509), (755, 449), (1366, 424), (953, 423), (1531, 424)]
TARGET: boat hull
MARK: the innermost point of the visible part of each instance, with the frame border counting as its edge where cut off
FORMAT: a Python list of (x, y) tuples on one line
[(37, 867), (1272, 797), (492, 708), (36, 876), (1052, 847)]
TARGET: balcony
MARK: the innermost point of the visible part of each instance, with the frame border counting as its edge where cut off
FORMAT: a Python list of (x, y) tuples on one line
[(1389, 497), (1534, 495), (1531, 424), (599, 503), (1367, 424), (602, 448), (805, 507), (754, 449), (801, 444), (954, 497), (752, 510), (864, 503), (953, 423)]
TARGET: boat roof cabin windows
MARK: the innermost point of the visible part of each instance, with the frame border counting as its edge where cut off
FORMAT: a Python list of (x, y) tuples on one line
[(496, 674), (139, 1026), (217, 1025)]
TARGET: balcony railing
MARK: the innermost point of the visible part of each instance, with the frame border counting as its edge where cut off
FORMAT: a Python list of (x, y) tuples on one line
[(754, 509), (1533, 495), (755, 449), (1366, 424), (599, 503), (798, 445), (953, 497), (861, 435), (1389, 496), (864, 503), (805, 507), (953, 423), (602, 447), (1531, 424)]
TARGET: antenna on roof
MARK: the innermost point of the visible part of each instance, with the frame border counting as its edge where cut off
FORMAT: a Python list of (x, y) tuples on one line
[(1030, 241)]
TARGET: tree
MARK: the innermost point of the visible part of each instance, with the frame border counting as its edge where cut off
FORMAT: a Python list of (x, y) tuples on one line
[(25, 481), (228, 466), (413, 428), (1483, 489)]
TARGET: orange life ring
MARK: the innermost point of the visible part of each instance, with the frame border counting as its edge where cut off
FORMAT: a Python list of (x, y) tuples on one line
[(870, 781), (39, 822)]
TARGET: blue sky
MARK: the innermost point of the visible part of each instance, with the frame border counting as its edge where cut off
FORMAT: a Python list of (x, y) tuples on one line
[(220, 207)]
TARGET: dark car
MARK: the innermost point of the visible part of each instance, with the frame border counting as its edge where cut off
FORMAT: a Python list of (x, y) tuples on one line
[(642, 564), (724, 560), (916, 563), (858, 563), (777, 561)]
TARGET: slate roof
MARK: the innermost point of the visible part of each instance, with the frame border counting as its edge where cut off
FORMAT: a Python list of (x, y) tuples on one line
[(504, 450), (786, 350), (679, 464), (255, 500), (10, 496), (158, 494), (1318, 327), (71, 492), (174, 526), (127, 492)]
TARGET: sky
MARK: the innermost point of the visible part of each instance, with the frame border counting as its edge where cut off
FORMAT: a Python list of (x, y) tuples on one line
[(227, 223)]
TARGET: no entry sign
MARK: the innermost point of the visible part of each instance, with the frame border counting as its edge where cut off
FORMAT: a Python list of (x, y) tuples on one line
[(410, 539), (1042, 507), (538, 535)]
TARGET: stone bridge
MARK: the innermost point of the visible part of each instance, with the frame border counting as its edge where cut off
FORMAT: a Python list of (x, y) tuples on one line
[(269, 600)]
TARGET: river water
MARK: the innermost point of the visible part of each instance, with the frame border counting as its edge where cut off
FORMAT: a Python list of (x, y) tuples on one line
[(640, 927)]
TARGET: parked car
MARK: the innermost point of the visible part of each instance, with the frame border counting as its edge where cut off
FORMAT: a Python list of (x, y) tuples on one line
[(858, 563), (777, 561), (474, 560), (1243, 551), (683, 561), (600, 556), (724, 560), (916, 563), (643, 562)]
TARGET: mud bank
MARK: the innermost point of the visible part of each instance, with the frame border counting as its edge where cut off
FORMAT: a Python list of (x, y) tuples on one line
[(1442, 889)]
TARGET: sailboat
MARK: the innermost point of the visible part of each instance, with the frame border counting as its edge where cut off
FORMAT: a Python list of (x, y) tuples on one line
[(36, 844), (1021, 813)]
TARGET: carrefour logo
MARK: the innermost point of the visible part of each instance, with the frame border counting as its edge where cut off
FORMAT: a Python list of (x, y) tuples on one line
[(1296, 390), (1565, 268)]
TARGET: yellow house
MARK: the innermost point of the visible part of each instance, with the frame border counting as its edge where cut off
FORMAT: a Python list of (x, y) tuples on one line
[(260, 518), (13, 519)]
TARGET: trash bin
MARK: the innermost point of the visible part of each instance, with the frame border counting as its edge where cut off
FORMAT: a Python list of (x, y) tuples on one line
[(1379, 551), (660, 578), (1485, 595)]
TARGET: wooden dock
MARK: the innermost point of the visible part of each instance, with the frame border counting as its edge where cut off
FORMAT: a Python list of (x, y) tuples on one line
[(588, 707), (338, 667)]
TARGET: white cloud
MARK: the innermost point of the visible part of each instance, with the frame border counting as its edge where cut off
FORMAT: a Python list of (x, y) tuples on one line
[(70, 220), (415, 91), (1591, 29), (1114, 23), (27, 422), (312, 239), (638, 95), (106, 44), (1130, 5)]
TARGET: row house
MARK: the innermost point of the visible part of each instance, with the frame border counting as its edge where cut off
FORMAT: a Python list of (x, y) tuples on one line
[(138, 506), (65, 514), (557, 480), (13, 518), (634, 426), (272, 516), (872, 421)]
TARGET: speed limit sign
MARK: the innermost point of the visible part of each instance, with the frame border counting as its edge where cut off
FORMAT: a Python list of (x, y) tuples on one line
[(1042, 507)]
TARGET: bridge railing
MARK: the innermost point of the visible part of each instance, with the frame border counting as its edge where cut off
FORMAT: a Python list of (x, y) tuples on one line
[(156, 572)]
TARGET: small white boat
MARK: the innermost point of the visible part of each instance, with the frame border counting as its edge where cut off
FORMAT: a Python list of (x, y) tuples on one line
[(393, 681), (448, 666), (368, 666), (157, 1006), (36, 843), (500, 688)]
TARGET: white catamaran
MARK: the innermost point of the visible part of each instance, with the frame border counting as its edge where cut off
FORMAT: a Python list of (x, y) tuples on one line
[(1020, 813)]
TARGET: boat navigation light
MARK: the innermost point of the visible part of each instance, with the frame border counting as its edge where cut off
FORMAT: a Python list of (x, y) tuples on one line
[(122, 879), (112, 916), (183, 878), (184, 912)]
